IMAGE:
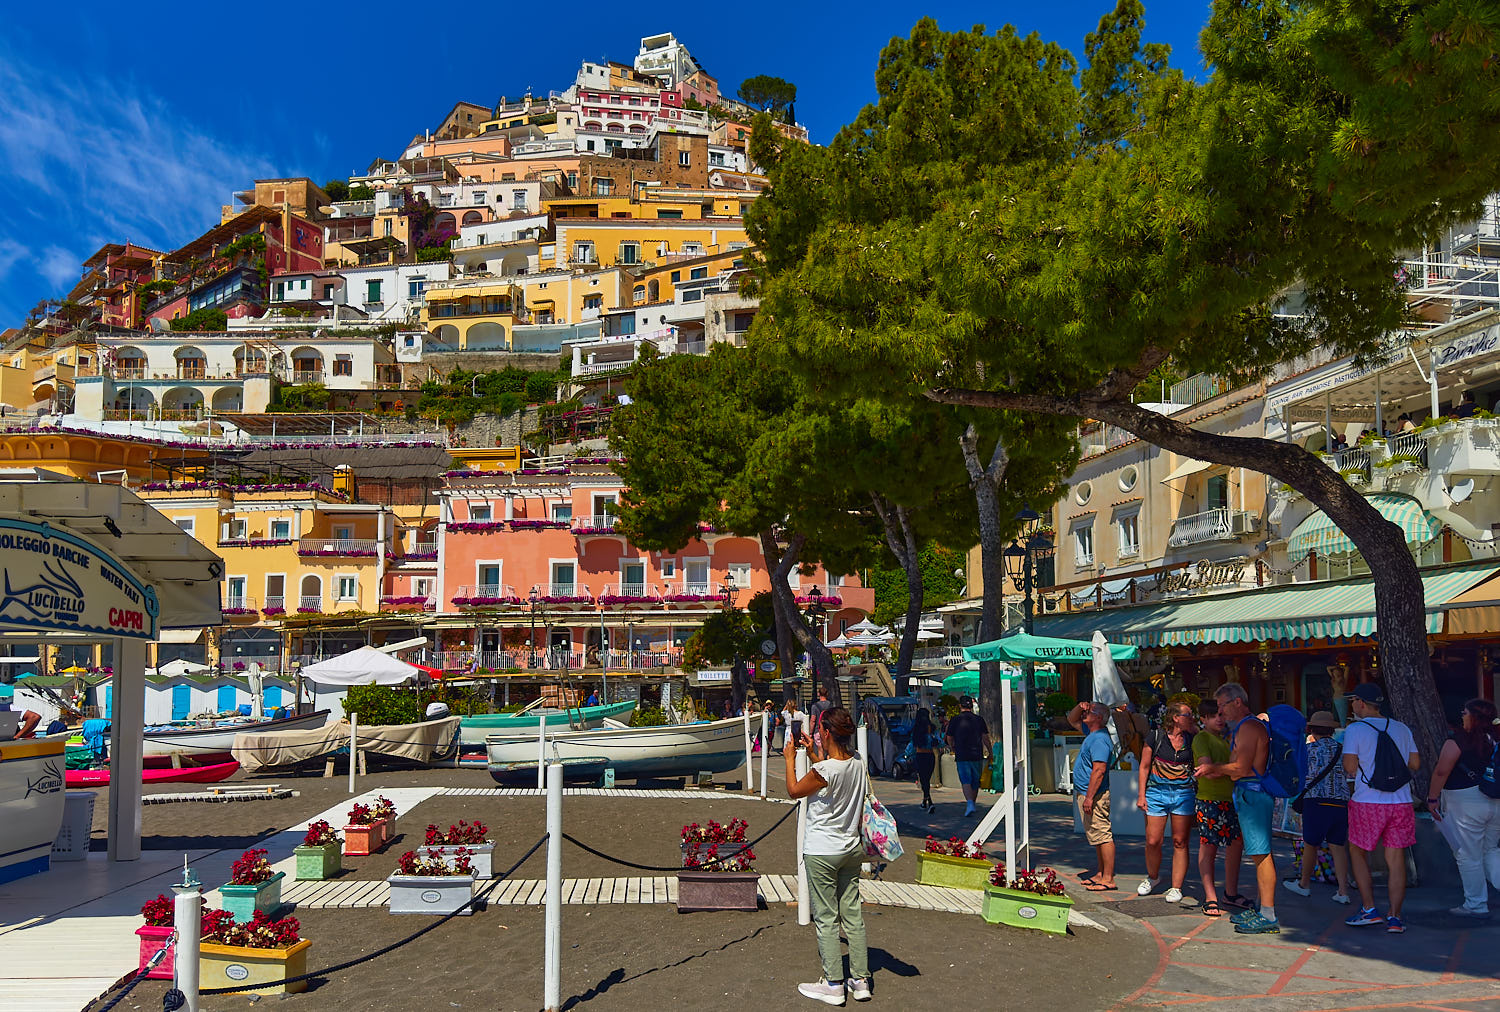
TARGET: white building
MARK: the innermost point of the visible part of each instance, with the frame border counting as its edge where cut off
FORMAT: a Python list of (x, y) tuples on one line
[(664, 57)]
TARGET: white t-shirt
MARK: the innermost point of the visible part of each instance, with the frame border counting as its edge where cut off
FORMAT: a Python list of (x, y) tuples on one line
[(833, 814), (1361, 738)]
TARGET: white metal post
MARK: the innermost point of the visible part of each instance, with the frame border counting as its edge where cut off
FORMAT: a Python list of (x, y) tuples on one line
[(765, 749), (186, 910), (552, 952), (541, 751), (129, 711), (862, 743), (749, 762), (353, 748), (804, 904)]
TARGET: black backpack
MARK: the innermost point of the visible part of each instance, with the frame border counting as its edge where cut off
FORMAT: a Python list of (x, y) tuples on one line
[(1389, 772), (1489, 777)]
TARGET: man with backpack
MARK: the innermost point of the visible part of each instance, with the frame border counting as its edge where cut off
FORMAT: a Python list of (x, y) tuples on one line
[(1380, 755), (1249, 761)]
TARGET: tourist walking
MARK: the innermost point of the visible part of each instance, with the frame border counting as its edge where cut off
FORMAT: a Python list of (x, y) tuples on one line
[(1168, 791), (1091, 790), (1467, 781), (832, 852), (770, 712), (1218, 826), (1325, 808), (1380, 755), (969, 738), (924, 744), (1249, 756), (794, 722)]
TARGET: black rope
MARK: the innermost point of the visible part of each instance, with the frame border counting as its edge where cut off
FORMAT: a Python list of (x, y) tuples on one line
[(677, 867), (482, 894), (156, 957)]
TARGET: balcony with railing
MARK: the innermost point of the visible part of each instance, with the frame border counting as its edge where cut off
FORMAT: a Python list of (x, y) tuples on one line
[(690, 591), (342, 548), (630, 592), (310, 603), (936, 657), (602, 524), (487, 595), (239, 605), (564, 593), (828, 595), (307, 376), (275, 605), (425, 602), (1219, 524)]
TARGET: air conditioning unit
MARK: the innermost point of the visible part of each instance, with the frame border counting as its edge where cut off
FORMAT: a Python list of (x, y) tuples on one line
[(1243, 523)]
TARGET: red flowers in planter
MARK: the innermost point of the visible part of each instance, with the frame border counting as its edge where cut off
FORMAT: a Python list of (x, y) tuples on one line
[(263, 931), (252, 868), (159, 913), (360, 815), (319, 834), (1042, 881), (953, 847), (435, 863), (701, 846), (464, 832), (385, 808)]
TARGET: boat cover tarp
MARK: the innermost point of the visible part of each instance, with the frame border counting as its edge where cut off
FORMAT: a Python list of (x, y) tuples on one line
[(364, 666), (423, 742)]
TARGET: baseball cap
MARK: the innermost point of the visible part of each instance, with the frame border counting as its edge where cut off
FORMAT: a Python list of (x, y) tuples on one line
[(1323, 719), (1369, 692), (967, 702)]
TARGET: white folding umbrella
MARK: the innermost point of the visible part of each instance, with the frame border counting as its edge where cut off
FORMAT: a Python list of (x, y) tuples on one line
[(927, 635), (257, 690), (1108, 688)]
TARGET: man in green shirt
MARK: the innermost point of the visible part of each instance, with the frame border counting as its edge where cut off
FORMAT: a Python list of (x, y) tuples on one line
[(1218, 826)]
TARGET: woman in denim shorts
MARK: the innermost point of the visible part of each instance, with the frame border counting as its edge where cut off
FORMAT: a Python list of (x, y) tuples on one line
[(1168, 790)]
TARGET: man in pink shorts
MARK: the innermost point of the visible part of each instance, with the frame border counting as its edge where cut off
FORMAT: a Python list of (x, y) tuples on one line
[(1380, 755)]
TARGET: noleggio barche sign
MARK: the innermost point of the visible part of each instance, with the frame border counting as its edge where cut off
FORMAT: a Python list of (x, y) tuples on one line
[(51, 579)]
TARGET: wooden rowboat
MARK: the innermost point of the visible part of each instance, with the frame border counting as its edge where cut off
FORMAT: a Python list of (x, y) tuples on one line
[(187, 775)]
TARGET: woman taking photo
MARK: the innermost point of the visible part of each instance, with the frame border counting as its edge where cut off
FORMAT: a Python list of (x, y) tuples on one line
[(1473, 815), (832, 851), (1169, 791), (924, 742)]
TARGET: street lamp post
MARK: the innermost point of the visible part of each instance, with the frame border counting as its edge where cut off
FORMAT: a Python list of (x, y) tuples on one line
[(533, 597), (729, 591), (815, 613), (1020, 566)]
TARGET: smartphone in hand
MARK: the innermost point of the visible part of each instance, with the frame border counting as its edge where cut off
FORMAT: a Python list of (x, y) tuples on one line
[(797, 732)]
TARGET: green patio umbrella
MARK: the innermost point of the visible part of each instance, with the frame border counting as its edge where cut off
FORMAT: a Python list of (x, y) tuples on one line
[(1019, 647)]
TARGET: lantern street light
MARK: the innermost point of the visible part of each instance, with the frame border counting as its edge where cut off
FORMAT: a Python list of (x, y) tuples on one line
[(533, 597), (1020, 566)]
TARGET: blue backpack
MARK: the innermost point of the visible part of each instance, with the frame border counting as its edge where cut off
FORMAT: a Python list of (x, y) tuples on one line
[(1286, 758)]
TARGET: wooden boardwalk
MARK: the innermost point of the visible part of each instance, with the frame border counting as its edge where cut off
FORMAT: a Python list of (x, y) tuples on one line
[(774, 889), (611, 792)]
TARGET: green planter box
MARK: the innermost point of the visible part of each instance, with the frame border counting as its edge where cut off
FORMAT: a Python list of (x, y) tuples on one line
[(953, 872), (243, 900), (317, 863), (1026, 910)]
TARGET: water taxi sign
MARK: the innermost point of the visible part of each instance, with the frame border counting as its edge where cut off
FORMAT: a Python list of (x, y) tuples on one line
[(53, 580)]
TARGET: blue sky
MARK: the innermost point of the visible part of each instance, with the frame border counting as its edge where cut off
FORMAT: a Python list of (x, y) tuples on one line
[(138, 121)]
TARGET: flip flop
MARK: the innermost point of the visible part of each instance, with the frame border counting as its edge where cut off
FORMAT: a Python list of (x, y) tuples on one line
[(1086, 877), (1212, 909), (1236, 900), (1099, 887)]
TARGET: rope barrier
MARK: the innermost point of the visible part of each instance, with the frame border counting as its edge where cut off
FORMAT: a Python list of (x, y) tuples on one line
[(140, 975), (482, 894), (677, 867)]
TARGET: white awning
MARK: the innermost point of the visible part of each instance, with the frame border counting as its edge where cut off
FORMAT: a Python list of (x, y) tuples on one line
[(364, 666), (180, 636), (1188, 466)]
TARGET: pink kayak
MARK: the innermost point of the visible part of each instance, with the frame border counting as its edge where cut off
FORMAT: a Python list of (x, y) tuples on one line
[(186, 775)]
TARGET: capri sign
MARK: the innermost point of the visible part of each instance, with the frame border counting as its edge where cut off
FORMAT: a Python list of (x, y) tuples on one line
[(52, 580)]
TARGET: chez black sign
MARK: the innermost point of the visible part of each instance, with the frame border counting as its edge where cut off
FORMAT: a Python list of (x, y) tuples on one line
[(1202, 574)]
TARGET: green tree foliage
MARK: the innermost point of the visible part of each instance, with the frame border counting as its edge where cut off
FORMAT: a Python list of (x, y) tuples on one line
[(303, 397), (1002, 231), (459, 398), (361, 192), (382, 704), (770, 94), (939, 585), (202, 319), (337, 190)]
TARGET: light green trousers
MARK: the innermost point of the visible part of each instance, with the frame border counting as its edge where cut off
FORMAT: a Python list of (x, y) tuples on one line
[(833, 884)]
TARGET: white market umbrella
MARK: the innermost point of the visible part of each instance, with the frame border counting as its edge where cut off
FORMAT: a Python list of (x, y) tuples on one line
[(862, 627), (838, 642), (927, 635), (1108, 688)]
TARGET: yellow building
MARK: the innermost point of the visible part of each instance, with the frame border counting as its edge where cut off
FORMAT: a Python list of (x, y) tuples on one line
[(77, 455), (637, 242), (484, 313)]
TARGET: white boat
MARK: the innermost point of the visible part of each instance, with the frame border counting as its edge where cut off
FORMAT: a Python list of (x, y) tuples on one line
[(475, 729), (217, 740), (31, 803), (666, 750)]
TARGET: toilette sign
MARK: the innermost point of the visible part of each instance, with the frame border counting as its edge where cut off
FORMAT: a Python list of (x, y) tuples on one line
[(53, 580)]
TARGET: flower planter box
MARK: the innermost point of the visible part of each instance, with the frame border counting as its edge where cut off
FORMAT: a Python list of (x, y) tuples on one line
[(362, 841), (154, 938), (238, 965), (317, 863), (481, 856), (717, 890), (243, 900), (431, 894), (1026, 910), (953, 872)]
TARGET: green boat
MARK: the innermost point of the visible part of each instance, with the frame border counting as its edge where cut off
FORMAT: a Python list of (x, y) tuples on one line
[(472, 730)]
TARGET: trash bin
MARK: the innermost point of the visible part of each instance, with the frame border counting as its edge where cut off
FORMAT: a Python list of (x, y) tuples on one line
[(72, 843), (948, 770)]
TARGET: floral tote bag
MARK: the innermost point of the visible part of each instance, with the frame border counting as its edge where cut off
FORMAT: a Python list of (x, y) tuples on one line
[(878, 827)]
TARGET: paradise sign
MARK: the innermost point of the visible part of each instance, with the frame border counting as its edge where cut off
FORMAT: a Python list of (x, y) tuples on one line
[(51, 579)]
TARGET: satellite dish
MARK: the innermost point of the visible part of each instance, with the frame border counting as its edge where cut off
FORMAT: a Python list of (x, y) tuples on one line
[(1461, 490)]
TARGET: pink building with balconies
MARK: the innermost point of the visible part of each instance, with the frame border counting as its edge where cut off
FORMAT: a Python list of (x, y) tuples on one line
[(535, 559)]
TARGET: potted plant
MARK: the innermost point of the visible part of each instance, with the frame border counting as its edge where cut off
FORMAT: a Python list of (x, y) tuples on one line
[(155, 934), (439, 883), (471, 836), (1033, 898), (717, 871), (263, 951), (953, 863), (252, 886), (318, 856), (369, 828)]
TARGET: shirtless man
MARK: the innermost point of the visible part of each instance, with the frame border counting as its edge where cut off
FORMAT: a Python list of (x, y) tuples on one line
[(1249, 752)]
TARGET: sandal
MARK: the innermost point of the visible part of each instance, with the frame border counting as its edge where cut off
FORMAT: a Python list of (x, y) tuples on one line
[(1238, 901), (1212, 909), (1100, 887)]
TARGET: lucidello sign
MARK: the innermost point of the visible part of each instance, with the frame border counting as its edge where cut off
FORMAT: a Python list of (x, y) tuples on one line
[(53, 580)]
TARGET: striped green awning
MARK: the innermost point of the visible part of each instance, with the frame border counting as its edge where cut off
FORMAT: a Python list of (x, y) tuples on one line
[(1298, 611), (1320, 534)]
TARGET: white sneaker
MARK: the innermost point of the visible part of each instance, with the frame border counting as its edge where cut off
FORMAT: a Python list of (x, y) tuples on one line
[(1341, 898), (859, 989), (1147, 884), (1291, 885), (1173, 895), (828, 994)]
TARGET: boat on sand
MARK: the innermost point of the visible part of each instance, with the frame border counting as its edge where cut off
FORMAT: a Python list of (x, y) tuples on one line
[(476, 728), (666, 750), (186, 775)]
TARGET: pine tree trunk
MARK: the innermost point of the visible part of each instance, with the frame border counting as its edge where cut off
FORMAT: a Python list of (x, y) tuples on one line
[(822, 658), (902, 541), (986, 482)]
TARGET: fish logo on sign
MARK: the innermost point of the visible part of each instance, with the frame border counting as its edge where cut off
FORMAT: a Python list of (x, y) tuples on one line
[(50, 782), (56, 596)]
